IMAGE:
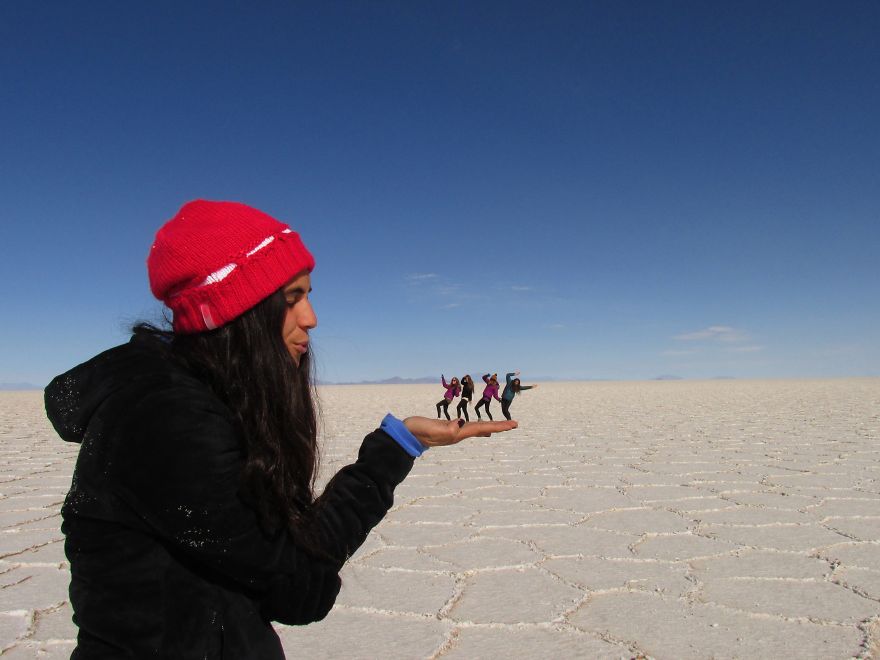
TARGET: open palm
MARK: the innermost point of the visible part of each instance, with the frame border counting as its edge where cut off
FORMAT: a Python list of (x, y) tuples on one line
[(437, 433)]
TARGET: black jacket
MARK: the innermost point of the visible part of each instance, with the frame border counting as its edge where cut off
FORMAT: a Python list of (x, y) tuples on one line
[(166, 559), (467, 391)]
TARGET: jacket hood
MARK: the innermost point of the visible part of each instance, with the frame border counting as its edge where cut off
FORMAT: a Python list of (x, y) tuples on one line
[(72, 398)]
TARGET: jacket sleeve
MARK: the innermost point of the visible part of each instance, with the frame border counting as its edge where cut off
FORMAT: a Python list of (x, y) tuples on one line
[(443, 381), (178, 474), (360, 494), (510, 377)]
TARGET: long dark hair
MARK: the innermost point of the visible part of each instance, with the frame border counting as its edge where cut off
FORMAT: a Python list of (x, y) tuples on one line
[(247, 365)]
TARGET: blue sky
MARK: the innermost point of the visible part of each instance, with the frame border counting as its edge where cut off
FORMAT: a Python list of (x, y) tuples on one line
[(572, 189)]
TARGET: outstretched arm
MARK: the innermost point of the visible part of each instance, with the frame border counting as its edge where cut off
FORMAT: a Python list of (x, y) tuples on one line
[(206, 518), (360, 494)]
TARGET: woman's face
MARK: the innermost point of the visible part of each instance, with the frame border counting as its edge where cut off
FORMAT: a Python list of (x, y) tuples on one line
[(455, 381), (300, 317)]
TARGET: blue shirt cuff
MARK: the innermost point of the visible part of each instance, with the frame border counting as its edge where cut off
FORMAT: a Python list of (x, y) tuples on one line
[(402, 436)]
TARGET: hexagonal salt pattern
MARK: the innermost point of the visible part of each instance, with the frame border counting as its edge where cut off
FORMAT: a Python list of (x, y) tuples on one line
[(667, 520)]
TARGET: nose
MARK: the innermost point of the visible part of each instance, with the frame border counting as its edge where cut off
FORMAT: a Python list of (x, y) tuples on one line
[(308, 320)]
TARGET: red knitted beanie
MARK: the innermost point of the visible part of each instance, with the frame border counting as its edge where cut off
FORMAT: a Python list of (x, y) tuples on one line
[(213, 261)]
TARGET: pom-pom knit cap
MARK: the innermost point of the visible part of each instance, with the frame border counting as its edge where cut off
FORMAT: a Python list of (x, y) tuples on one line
[(213, 261)]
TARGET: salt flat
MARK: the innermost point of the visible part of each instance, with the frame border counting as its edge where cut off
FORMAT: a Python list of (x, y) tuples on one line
[(719, 519)]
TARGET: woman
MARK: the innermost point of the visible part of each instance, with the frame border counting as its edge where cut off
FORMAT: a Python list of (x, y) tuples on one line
[(489, 392), (191, 522), (452, 390), (467, 393), (511, 389)]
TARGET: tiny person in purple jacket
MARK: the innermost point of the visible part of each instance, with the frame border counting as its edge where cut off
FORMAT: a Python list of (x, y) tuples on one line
[(490, 392), (453, 389)]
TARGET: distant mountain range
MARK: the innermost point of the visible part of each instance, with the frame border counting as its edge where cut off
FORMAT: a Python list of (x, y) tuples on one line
[(19, 386), (395, 380)]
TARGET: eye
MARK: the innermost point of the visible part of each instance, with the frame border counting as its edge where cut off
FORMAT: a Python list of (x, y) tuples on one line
[(293, 296)]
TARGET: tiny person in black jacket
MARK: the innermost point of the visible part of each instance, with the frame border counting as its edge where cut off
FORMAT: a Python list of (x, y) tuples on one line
[(191, 523), (467, 393)]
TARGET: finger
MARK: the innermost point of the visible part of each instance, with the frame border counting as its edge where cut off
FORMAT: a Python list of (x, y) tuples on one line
[(485, 429), (498, 427)]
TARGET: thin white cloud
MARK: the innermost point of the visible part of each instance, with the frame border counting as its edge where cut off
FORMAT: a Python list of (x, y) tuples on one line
[(447, 289), (723, 333), (556, 326), (522, 288), (420, 277), (437, 288), (672, 353), (745, 349)]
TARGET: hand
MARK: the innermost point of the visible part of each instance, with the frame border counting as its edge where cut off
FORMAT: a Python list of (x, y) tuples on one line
[(438, 433)]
